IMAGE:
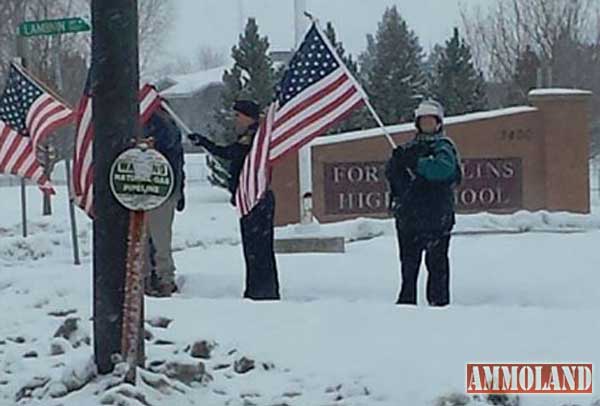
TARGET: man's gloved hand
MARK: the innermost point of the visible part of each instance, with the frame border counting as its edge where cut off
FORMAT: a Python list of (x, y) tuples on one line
[(414, 153), (181, 203), (410, 160), (196, 139), (398, 152), (423, 149), (405, 157)]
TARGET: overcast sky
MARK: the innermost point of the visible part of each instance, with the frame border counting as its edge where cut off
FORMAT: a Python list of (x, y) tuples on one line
[(216, 23)]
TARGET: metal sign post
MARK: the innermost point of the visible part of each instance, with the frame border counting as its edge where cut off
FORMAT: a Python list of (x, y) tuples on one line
[(21, 59), (50, 27)]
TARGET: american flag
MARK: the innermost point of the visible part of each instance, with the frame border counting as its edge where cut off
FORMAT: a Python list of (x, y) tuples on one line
[(83, 162), (255, 174), (28, 115), (316, 92)]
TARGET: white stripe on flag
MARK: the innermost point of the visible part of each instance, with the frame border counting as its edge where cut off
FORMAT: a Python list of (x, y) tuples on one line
[(286, 145), (12, 161), (313, 108), (51, 120), (32, 115), (311, 91)]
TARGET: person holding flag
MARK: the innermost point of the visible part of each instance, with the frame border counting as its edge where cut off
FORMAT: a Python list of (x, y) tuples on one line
[(257, 227), (423, 175), (316, 92)]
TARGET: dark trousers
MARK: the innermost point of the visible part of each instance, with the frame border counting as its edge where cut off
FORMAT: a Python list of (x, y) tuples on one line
[(257, 239), (436, 247)]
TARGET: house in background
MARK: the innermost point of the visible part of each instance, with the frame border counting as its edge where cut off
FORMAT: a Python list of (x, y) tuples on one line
[(194, 97)]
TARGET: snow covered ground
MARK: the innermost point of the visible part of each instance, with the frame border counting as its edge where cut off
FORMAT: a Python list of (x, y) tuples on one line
[(335, 339)]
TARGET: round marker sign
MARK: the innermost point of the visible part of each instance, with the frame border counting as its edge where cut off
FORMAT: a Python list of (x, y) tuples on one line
[(141, 179)]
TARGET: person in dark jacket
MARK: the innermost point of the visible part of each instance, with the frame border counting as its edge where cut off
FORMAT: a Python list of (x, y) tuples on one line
[(257, 226), (160, 266), (423, 175)]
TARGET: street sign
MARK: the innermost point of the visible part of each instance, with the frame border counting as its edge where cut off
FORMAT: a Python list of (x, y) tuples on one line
[(141, 179), (53, 27)]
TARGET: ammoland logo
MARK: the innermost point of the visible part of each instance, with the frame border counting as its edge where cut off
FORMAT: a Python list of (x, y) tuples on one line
[(529, 378)]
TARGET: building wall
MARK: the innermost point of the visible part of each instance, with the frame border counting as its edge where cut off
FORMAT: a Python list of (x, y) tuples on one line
[(524, 158)]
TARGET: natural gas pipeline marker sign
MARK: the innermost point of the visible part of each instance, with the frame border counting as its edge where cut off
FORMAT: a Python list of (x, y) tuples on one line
[(141, 179)]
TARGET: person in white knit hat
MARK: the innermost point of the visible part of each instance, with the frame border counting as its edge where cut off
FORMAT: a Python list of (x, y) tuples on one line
[(422, 175)]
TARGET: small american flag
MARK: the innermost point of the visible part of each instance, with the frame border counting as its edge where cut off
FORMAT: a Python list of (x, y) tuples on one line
[(316, 92), (83, 162), (28, 115)]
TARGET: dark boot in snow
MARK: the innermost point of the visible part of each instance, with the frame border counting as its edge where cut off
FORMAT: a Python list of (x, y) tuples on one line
[(165, 289), (150, 284)]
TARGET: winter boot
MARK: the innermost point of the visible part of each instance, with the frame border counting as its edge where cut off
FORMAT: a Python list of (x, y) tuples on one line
[(165, 288), (150, 284)]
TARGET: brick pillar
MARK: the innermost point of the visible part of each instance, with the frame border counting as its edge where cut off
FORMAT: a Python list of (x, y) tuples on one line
[(565, 125)]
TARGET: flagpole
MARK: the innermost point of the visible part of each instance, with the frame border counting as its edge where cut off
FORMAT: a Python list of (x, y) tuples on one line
[(41, 84), (70, 191), (305, 178), (364, 94), (175, 117)]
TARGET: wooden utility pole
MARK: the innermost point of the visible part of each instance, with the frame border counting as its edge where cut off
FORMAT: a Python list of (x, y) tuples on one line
[(115, 83)]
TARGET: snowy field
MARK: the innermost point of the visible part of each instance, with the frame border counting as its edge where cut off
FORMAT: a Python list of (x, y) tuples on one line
[(530, 293)]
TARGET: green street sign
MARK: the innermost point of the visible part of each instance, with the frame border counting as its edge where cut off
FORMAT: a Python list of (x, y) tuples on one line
[(53, 27)]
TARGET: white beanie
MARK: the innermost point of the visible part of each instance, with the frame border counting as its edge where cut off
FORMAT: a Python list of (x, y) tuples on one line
[(429, 107)]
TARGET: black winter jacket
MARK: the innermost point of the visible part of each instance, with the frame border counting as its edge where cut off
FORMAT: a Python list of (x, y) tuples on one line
[(235, 153), (167, 141), (422, 176)]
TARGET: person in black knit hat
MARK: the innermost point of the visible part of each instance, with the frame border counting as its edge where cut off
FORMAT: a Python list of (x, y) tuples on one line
[(257, 226)]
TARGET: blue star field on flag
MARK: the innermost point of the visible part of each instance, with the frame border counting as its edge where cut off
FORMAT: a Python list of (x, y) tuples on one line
[(20, 93)]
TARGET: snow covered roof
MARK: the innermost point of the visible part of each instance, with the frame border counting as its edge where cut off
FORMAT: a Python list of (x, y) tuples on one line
[(395, 129), (559, 91), (192, 83)]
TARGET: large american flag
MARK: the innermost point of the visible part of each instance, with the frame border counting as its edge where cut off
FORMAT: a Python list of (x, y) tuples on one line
[(28, 115), (316, 92), (83, 162)]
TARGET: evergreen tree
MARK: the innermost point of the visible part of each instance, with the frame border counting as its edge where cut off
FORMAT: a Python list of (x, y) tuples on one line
[(392, 66), (359, 119), (350, 63), (252, 76), (433, 60), (366, 60), (525, 77), (457, 84)]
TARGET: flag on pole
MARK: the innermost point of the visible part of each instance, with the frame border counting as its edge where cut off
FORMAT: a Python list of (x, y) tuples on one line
[(316, 92), (255, 174), (83, 162), (83, 175), (28, 115)]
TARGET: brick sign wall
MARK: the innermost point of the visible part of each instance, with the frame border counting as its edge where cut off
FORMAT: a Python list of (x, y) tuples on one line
[(355, 188), (490, 184), (522, 158), (360, 188)]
